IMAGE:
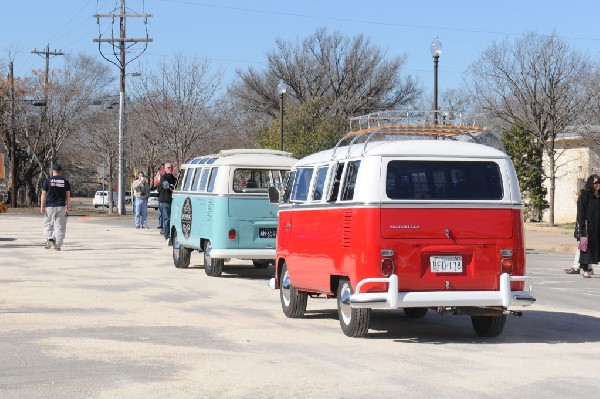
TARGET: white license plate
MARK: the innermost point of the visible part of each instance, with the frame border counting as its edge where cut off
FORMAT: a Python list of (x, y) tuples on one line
[(446, 264)]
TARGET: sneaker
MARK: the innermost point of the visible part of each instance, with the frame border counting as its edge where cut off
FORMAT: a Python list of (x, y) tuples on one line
[(572, 271), (137, 227), (57, 249), (145, 227), (50, 243), (159, 227)]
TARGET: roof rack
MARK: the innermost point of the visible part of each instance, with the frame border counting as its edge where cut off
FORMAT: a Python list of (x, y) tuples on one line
[(415, 125)]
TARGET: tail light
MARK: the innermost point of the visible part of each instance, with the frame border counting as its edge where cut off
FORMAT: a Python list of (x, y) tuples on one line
[(506, 264), (232, 234), (387, 262)]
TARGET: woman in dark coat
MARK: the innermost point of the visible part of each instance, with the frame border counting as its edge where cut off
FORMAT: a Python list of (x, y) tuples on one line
[(588, 210)]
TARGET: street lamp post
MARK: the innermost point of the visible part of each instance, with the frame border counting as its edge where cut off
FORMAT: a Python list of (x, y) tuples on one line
[(281, 90), (436, 50)]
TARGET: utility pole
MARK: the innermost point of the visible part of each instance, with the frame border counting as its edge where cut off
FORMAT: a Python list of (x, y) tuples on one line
[(13, 145), (45, 120), (119, 42)]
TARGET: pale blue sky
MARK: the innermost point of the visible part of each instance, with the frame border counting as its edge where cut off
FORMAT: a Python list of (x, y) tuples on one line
[(237, 33)]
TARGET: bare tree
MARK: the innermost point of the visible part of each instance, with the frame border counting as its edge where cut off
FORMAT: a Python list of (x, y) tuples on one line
[(536, 82), (177, 104), (351, 75)]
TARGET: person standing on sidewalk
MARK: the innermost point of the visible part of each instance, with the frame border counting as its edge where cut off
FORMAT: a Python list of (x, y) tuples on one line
[(165, 196), (55, 202), (141, 192), (588, 220)]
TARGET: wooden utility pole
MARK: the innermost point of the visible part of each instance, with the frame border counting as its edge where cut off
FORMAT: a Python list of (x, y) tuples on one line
[(45, 120), (120, 41)]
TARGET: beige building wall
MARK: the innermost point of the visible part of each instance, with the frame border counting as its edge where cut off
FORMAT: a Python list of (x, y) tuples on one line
[(575, 163)]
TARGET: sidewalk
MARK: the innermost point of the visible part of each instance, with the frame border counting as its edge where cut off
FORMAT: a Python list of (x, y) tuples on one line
[(549, 239)]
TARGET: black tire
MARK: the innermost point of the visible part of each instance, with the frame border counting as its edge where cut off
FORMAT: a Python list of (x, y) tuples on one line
[(212, 267), (181, 255), (293, 302), (261, 263), (415, 313), (95, 206), (488, 326), (354, 322)]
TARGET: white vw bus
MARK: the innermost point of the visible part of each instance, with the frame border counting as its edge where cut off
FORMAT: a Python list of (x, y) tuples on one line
[(221, 208)]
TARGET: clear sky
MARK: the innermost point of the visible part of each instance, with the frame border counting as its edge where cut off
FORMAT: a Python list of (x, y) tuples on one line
[(234, 34)]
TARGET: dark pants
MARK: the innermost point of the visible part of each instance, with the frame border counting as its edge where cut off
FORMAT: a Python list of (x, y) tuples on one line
[(165, 216)]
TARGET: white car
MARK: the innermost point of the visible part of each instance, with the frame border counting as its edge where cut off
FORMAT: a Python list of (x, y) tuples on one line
[(101, 199), (153, 200)]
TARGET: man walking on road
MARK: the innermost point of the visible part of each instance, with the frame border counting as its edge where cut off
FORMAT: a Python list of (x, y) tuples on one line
[(56, 198)]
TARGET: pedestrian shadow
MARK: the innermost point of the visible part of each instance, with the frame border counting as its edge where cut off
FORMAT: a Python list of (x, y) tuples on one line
[(7, 239)]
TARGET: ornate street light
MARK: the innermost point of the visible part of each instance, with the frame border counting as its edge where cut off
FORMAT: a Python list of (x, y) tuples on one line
[(436, 50), (281, 90)]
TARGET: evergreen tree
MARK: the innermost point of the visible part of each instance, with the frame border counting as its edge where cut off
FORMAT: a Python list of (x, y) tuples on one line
[(527, 159)]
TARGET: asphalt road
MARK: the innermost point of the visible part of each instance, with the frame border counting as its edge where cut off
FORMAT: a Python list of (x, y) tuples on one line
[(110, 317)]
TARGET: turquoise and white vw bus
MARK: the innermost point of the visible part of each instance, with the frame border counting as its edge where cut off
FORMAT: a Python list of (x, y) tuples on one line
[(221, 207)]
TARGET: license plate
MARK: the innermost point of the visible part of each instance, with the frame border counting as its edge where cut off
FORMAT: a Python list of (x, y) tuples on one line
[(446, 264), (267, 233)]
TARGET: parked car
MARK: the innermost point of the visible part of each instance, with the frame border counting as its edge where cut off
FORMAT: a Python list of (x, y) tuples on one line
[(101, 199), (153, 200)]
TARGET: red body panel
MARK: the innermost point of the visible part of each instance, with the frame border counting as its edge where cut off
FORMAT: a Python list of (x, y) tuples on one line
[(348, 242)]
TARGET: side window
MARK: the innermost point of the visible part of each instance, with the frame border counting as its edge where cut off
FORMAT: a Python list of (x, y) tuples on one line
[(211, 180), (320, 183), (188, 179), (196, 180), (350, 181), (302, 184), (204, 179), (289, 183), (181, 179), (335, 182)]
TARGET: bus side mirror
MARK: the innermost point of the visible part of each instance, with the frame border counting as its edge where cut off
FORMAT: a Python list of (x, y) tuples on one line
[(273, 195)]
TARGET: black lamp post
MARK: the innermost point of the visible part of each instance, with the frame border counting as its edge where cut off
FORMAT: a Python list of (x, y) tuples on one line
[(436, 50), (281, 90)]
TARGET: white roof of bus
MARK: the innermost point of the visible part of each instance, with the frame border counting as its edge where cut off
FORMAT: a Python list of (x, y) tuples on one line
[(407, 148), (245, 157)]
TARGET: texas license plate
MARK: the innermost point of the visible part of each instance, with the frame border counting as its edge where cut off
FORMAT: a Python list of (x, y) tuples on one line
[(267, 233), (446, 264)]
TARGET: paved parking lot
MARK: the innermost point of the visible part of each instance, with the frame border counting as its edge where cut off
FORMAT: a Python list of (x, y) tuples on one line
[(110, 317)]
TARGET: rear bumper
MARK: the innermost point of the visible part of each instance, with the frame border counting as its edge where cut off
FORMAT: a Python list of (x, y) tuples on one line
[(242, 253), (393, 299)]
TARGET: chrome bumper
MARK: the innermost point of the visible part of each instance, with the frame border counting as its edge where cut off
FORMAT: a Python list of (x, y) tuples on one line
[(242, 253), (392, 299)]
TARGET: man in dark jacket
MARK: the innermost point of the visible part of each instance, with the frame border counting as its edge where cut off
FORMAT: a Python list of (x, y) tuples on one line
[(55, 202), (165, 196)]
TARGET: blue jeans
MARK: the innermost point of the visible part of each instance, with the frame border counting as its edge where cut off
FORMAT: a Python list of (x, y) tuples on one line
[(165, 216), (141, 212)]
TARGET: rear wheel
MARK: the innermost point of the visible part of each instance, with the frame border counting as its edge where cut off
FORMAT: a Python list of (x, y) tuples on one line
[(212, 267), (488, 326), (354, 322), (181, 255), (293, 302), (415, 313)]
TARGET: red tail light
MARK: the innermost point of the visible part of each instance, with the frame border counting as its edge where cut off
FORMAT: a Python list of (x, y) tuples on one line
[(387, 267), (506, 265), (232, 234)]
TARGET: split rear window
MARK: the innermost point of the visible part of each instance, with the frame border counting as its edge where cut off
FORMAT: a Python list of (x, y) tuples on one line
[(443, 180)]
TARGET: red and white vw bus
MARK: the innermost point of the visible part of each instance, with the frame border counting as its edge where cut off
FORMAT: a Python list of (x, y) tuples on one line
[(414, 224)]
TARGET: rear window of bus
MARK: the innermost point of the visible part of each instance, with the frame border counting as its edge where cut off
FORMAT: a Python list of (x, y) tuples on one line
[(444, 180)]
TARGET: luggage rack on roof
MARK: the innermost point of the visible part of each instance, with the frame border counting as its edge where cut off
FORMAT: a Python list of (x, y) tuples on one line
[(416, 125)]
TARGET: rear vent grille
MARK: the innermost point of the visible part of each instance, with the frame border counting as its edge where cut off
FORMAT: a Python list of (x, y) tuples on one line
[(347, 229)]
